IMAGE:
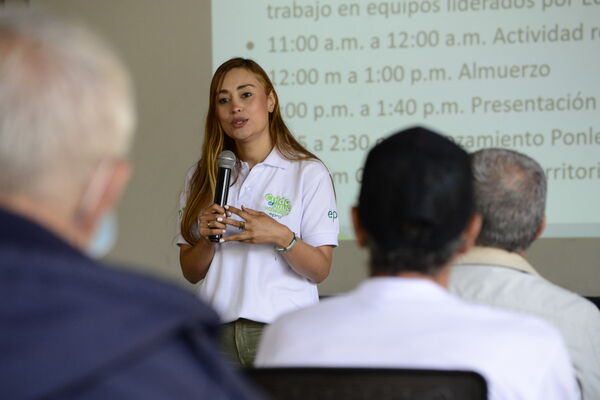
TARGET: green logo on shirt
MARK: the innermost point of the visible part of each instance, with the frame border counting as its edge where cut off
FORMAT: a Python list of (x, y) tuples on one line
[(277, 206)]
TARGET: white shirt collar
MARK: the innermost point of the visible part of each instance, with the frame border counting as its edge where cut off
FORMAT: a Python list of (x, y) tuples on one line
[(387, 288), (275, 159), (494, 256)]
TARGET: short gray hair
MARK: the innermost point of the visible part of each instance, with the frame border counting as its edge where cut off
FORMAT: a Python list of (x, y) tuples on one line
[(510, 194), (65, 102)]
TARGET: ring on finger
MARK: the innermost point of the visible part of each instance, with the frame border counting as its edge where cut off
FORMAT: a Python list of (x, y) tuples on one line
[(242, 225)]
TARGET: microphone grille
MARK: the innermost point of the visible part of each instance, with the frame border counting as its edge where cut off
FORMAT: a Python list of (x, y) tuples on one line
[(226, 159)]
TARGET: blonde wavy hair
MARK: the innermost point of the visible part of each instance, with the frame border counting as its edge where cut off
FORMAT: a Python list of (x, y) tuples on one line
[(203, 183)]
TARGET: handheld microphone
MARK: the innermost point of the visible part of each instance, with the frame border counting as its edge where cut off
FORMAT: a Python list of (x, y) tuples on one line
[(225, 161)]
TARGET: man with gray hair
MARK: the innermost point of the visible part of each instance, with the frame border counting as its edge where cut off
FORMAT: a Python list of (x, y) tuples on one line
[(510, 194), (72, 328)]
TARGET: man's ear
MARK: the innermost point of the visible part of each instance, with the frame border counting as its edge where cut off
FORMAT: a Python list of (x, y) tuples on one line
[(541, 229), (116, 185), (361, 237), (470, 233), (102, 194)]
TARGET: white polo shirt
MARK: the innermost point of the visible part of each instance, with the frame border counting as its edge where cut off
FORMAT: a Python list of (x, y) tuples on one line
[(251, 280), (414, 323)]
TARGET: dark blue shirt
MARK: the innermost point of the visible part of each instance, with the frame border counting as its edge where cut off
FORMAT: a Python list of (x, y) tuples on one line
[(72, 328)]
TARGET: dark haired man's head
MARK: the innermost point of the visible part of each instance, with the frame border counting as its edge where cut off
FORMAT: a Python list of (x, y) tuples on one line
[(415, 202), (510, 195)]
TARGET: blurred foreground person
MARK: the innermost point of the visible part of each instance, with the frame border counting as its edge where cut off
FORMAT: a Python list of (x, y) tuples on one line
[(415, 214), (70, 327)]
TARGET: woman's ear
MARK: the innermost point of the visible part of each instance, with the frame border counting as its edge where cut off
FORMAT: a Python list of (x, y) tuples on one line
[(271, 101)]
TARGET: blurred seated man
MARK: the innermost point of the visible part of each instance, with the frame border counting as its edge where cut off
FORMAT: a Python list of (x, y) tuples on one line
[(70, 327), (510, 195), (415, 214)]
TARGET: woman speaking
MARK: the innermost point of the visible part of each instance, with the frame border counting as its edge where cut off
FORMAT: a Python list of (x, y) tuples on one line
[(277, 229)]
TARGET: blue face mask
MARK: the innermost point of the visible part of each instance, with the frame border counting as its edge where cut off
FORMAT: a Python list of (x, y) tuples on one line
[(105, 237)]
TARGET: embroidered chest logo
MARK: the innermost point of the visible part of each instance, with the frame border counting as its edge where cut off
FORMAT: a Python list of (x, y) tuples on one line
[(277, 206)]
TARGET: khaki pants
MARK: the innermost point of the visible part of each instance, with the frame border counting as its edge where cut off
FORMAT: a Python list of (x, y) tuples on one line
[(239, 341)]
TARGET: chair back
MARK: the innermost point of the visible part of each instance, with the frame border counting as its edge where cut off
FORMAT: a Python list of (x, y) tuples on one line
[(367, 384)]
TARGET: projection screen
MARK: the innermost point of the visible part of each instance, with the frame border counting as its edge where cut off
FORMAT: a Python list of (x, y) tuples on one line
[(518, 74)]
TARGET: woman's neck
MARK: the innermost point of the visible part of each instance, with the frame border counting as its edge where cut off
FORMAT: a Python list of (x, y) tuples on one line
[(254, 152)]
